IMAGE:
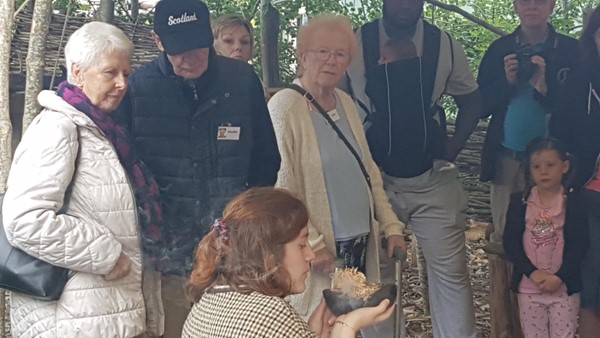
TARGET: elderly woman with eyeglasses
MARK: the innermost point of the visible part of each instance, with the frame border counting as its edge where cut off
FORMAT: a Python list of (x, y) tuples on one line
[(348, 215)]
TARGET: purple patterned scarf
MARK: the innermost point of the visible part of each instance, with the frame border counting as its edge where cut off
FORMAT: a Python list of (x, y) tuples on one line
[(144, 186)]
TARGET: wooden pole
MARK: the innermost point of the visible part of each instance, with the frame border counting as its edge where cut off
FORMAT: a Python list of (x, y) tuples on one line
[(504, 308), (135, 9), (7, 9), (269, 37), (565, 9), (106, 13), (42, 12)]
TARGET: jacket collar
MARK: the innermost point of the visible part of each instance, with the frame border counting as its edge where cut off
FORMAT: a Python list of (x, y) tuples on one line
[(550, 42), (48, 99), (166, 68)]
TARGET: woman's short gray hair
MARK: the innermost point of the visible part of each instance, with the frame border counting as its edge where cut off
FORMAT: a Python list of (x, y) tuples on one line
[(93, 40), (324, 24)]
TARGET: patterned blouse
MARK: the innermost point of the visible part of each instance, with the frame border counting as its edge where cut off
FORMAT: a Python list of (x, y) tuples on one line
[(231, 314)]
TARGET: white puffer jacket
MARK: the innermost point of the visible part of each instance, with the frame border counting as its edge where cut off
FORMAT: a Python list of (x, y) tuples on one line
[(64, 151)]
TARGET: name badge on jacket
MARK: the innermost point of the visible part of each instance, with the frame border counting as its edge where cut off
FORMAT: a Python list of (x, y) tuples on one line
[(228, 133), (334, 115)]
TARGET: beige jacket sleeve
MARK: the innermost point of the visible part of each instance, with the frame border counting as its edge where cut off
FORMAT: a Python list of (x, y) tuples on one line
[(282, 111)]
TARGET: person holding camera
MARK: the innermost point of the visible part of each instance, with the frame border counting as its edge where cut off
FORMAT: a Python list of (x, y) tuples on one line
[(519, 78)]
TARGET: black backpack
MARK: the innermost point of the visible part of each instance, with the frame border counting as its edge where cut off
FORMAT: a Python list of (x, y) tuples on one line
[(431, 53)]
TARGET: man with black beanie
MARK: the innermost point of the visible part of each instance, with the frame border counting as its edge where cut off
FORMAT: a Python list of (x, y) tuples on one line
[(201, 124)]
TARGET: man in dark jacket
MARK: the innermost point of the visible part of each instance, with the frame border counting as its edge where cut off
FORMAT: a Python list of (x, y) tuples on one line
[(201, 124), (519, 79)]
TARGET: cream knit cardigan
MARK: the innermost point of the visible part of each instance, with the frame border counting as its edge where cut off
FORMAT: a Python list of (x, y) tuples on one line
[(301, 173)]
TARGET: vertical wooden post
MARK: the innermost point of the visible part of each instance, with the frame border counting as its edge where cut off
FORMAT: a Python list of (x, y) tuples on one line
[(7, 9), (504, 309), (135, 9), (269, 37), (106, 12), (42, 12)]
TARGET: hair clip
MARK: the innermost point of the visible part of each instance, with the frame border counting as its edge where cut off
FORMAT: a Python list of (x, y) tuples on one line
[(222, 229)]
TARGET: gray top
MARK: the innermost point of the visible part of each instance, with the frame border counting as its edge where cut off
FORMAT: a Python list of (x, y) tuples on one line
[(347, 190)]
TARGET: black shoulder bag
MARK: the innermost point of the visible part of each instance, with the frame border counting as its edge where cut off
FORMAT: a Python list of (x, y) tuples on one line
[(25, 274), (308, 96)]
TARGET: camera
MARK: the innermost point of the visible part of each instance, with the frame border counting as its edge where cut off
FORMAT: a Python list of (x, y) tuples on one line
[(526, 67)]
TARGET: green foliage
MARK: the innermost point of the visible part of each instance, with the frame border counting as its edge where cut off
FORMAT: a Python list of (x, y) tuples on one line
[(66, 6)]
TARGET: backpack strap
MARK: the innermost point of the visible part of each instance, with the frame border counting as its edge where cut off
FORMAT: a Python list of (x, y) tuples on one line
[(430, 59), (369, 34), (308, 96)]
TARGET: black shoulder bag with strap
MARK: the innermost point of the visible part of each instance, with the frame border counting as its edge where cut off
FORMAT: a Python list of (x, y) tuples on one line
[(25, 274), (308, 96)]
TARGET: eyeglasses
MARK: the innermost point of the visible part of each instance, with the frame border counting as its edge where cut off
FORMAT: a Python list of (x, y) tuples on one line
[(324, 54)]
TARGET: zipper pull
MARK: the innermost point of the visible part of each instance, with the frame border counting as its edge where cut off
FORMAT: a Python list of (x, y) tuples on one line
[(193, 85)]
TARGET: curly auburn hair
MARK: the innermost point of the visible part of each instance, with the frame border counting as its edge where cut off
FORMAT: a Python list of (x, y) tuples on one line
[(260, 222)]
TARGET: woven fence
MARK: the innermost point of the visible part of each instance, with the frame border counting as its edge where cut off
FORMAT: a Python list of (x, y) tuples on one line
[(58, 33)]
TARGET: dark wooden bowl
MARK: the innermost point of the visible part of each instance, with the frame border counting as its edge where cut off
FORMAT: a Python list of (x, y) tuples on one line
[(340, 303)]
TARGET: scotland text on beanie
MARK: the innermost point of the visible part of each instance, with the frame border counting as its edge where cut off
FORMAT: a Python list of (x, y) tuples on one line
[(182, 25)]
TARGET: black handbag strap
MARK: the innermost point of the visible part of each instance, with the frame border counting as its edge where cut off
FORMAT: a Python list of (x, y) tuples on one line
[(308, 96)]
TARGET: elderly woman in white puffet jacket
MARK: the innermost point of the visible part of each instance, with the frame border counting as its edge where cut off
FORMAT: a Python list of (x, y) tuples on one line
[(71, 198)]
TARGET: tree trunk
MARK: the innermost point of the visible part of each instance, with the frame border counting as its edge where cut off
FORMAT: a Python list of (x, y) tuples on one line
[(42, 13), (565, 9), (504, 308), (269, 35), (135, 10), (106, 11), (7, 9)]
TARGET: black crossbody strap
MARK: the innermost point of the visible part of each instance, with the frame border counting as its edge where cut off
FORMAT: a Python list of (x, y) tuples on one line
[(308, 96)]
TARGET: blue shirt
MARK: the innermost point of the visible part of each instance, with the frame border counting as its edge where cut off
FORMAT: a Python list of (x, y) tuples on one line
[(347, 190), (525, 119)]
